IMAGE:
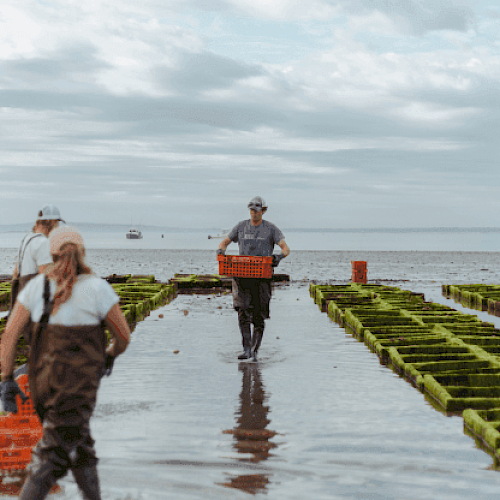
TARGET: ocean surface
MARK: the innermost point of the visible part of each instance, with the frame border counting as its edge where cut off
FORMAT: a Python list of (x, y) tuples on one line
[(171, 421), (411, 239)]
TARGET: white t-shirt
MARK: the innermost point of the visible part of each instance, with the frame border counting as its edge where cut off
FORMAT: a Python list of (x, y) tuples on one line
[(36, 253), (90, 301)]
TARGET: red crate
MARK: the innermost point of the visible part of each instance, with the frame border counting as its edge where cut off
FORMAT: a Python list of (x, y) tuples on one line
[(245, 266), (19, 432), (19, 437), (11, 421), (359, 273), (14, 458)]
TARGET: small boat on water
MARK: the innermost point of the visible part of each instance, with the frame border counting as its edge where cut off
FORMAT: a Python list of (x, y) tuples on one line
[(222, 234), (134, 234)]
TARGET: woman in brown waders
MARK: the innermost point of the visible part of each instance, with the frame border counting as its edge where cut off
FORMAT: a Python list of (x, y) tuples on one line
[(69, 308)]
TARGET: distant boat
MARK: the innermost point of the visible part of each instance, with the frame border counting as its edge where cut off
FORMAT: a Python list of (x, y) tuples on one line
[(222, 234), (134, 234)]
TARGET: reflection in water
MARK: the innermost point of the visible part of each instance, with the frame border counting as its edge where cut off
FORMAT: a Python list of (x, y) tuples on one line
[(251, 436)]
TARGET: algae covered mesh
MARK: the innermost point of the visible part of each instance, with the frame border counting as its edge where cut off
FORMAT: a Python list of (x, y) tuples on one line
[(480, 297), (452, 357)]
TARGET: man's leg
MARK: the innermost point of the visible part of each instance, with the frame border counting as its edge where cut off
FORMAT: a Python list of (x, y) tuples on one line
[(261, 299), (258, 333), (245, 324), (242, 303)]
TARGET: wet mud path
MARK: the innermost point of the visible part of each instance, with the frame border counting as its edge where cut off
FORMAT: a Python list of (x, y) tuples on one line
[(318, 416)]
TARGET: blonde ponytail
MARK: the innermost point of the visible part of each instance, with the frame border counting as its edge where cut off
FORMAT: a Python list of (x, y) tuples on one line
[(68, 264)]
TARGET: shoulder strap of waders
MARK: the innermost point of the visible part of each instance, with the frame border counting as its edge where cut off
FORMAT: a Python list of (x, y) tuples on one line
[(22, 250), (36, 343), (47, 310)]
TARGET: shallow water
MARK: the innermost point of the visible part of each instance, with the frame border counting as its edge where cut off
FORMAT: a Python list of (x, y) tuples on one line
[(327, 420)]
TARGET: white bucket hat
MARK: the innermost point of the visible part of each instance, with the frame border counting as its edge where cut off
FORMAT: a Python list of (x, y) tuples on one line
[(49, 212)]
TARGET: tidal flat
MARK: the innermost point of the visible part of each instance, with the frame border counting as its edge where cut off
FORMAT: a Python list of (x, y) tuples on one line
[(317, 417)]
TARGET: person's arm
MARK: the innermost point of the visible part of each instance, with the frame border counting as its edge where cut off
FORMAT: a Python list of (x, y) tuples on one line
[(119, 329), (284, 248), (224, 244), (17, 320), (284, 252)]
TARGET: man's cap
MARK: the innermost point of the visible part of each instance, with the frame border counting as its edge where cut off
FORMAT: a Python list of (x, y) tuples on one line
[(257, 203), (64, 234), (49, 212)]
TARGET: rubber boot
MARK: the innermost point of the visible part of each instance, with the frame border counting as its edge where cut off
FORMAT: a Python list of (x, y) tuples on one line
[(88, 482), (244, 320), (247, 351), (258, 333)]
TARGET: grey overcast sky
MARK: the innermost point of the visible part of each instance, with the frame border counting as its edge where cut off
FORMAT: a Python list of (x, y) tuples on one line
[(340, 113)]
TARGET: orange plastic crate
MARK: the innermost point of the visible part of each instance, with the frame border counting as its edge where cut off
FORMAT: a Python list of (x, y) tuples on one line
[(19, 437), (19, 432), (11, 421), (14, 458), (245, 266), (359, 272)]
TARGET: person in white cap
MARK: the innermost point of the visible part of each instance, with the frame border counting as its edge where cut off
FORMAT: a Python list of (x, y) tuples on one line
[(70, 308), (34, 254), (251, 296)]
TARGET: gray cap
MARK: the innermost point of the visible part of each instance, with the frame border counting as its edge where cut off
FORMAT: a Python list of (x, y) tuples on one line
[(257, 203), (49, 212)]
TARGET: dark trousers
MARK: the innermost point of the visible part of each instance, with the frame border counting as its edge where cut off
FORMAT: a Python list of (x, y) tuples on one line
[(251, 298)]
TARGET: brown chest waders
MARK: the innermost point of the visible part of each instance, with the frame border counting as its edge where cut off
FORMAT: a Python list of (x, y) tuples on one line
[(65, 368)]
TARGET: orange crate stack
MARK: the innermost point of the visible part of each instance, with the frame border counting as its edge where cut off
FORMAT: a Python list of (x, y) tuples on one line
[(245, 266), (19, 433)]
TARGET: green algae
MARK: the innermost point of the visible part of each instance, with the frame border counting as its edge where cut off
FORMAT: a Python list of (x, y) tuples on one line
[(452, 357), (479, 297)]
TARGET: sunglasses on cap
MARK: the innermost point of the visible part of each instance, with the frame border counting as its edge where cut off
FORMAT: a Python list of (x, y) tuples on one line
[(255, 206)]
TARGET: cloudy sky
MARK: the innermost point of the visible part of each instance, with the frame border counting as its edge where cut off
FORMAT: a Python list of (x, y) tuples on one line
[(340, 113)]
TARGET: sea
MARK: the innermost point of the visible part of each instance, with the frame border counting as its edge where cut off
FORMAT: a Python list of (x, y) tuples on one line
[(317, 417)]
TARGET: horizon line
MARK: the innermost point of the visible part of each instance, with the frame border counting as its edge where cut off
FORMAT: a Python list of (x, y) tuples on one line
[(292, 229)]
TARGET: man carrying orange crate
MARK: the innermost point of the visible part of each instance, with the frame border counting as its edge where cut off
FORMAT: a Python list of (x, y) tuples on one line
[(251, 296)]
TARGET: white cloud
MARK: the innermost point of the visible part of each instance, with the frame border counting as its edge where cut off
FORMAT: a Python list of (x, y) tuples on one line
[(287, 9), (435, 115), (19, 33), (165, 98)]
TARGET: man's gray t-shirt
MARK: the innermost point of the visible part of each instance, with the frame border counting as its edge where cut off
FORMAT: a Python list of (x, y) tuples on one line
[(256, 240)]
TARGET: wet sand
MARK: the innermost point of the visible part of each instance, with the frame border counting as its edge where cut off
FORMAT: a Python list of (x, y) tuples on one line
[(325, 419)]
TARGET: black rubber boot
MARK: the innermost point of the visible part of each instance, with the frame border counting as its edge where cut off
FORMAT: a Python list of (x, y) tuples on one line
[(247, 351), (244, 320), (258, 333), (88, 482)]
